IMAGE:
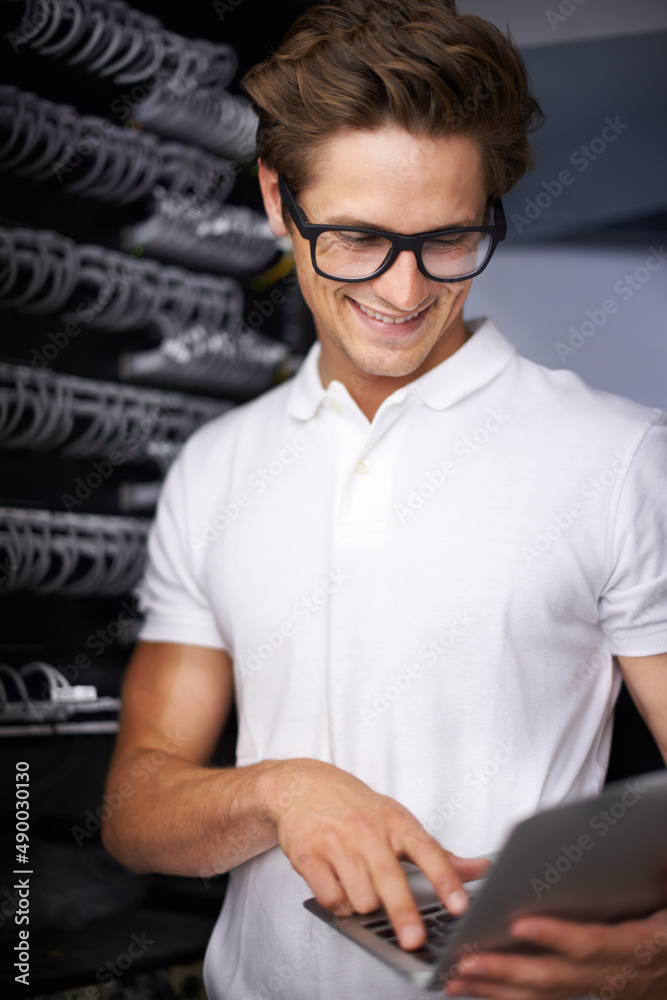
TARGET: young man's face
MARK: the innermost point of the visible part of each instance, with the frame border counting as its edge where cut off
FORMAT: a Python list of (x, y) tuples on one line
[(386, 179)]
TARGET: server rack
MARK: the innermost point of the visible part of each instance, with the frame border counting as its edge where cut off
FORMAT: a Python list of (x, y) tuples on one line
[(137, 293)]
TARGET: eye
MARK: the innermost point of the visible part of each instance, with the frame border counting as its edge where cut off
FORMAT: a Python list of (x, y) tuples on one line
[(444, 244), (359, 240)]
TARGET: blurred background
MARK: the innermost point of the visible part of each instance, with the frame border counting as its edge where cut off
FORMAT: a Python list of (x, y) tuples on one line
[(143, 293), (582, 225)]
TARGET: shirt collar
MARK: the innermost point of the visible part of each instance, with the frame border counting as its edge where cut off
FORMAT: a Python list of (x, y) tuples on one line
[(473, 365)]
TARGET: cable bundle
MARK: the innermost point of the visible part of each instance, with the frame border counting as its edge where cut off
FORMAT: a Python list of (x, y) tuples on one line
[(244, 363), (85, 418), (216, 120), (72, 555), (132, 293), (63, 701), (94, 158), (178, 81), (228, 240), (205, 342), (113, 40), (40, 272)]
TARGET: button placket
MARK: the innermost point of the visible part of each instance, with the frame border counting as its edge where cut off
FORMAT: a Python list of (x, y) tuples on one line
[(361, 508), (384, 420)]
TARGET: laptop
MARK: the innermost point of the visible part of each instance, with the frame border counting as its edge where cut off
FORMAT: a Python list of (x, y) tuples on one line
[(599, 859)]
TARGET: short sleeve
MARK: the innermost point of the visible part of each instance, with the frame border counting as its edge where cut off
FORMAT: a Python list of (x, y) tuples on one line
[(168, 592), (633, 604)]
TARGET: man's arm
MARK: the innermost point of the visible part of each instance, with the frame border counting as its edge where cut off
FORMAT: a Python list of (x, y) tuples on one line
[(181, 816), (176, 700), (646, 680)]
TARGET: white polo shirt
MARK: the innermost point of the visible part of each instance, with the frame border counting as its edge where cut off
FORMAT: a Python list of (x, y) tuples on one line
[(430, 601)]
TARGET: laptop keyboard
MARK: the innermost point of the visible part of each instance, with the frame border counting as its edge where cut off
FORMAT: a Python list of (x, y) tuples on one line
[(439, 924)]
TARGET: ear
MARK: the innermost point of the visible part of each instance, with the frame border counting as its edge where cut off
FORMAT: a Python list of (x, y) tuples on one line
[(268, 182)]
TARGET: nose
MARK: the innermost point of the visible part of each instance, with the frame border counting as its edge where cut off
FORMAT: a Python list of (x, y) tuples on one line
[(403, 284)]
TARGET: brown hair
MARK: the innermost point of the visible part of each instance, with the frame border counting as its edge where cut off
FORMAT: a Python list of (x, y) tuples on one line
[(364, 64)]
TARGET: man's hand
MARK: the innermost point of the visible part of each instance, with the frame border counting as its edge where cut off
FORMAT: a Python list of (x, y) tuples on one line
[(346, 841), (612, 962)]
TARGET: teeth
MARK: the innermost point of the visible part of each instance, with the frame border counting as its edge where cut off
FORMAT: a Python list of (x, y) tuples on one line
[(386, 319)]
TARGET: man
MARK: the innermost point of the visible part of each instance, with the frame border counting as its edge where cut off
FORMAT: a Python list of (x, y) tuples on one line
[(393, 562)]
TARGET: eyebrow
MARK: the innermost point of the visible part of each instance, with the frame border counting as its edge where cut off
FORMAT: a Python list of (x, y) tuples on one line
[(360, 224)]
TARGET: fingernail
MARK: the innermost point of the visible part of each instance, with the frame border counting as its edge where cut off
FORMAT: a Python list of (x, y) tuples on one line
[(524, 930), (457, 901), (468, 965), (410, 936)]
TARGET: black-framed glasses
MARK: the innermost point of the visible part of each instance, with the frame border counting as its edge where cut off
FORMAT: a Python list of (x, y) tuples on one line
[(354, 253)]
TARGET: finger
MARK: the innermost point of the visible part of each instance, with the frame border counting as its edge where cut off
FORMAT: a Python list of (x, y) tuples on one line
[(495, 991), (438, 866), (544, 973), (325, 887), (577, 941), (356, 880), (393, 888)]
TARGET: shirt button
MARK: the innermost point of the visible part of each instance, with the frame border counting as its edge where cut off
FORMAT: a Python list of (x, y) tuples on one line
[(364, 466), (336, 407)]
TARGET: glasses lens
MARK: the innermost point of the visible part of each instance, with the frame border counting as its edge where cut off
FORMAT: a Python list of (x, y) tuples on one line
[(456, 255), (344, 254)]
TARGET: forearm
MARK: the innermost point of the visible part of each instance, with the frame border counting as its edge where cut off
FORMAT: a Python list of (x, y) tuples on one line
[(342, 837), (182, 818)]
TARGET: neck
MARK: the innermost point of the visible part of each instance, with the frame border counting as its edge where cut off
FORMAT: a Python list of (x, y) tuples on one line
[(369, 391)]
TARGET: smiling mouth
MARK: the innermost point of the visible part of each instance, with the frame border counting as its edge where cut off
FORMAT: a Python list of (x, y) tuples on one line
[(393, 320)]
